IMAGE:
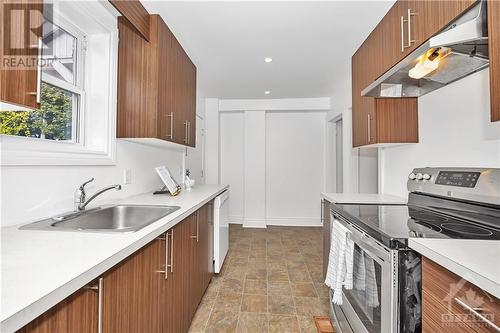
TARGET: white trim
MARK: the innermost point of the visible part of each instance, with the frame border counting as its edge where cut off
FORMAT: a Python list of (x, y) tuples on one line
[(236, 219), (100, 22), (254, 223), (283, 104), (295, 221)]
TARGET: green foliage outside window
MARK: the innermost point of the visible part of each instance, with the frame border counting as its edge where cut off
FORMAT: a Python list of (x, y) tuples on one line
[(52, 121)]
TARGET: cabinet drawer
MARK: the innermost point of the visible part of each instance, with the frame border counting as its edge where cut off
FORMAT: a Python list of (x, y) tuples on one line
[(437, 318), (459, 297)]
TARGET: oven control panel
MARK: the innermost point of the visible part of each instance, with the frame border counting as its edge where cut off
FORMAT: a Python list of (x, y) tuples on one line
[(471, 184), (458, 178)]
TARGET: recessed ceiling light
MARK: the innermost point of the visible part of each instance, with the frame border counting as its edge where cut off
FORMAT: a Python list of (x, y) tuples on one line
[(268, 59), (267, 92)]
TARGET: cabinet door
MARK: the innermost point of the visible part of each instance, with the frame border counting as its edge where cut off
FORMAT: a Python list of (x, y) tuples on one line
[(191, 101), (165, 80), (430, 16), (204, 248), (78, 313), (175, 68), (494, 51), (363, 108), (131, 292), (19, 86), (391, 38), (136, 104), (173, 290)]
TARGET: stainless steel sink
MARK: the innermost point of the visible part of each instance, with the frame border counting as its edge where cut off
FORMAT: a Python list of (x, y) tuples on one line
[(119, 218)]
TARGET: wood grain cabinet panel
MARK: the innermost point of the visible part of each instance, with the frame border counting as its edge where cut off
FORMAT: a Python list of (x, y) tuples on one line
[(135, 13), (156, 289), (447, 300), (131, 292), (78, 313), (156, 86), (431, 16), (19, 86), (494, 52)]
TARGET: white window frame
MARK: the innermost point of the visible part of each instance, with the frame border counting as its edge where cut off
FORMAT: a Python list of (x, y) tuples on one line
[(96, 144), (78, 87)]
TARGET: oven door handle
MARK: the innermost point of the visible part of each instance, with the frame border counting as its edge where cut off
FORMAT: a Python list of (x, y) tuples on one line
[(379, 252)]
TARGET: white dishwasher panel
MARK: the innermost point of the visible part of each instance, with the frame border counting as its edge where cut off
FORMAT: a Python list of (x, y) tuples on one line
[(221, 229)]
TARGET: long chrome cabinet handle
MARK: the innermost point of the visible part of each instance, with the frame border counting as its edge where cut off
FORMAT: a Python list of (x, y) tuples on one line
[(171, 116), (99, 288), (189, 132), (165, 271), (172, 251), (186, 132), (369, 128), (477, 314), (38, 92), (408, 21), (197, 228), (402, 23), (100, 305)]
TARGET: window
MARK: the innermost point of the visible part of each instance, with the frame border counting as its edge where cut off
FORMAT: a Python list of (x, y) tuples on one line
[(76, 123), (61, 90)]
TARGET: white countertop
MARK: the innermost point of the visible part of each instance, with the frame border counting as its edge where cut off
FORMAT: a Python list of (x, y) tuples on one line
[(364, 198), (41, 268), (477, 261)]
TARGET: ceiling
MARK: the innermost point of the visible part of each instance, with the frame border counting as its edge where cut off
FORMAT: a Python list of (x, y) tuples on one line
[(311, 43)]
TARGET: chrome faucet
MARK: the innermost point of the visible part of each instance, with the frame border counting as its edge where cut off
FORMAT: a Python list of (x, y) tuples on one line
[(80, 195)]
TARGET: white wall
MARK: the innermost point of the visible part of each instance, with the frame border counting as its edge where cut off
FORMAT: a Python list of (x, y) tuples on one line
[(232, 158), (454, 130), (295, 164), (269, 151), (33, 192), (255, 178)]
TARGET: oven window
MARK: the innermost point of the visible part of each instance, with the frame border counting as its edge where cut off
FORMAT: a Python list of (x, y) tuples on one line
[(364, 297)]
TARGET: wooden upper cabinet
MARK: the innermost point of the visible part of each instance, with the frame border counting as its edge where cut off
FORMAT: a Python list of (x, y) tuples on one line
[(20, 84), (494, 52), (155, 85), (428, 17), (378, 121), (135, 13)]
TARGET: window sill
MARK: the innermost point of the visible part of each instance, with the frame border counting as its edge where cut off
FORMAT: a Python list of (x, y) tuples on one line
[(17, 151)]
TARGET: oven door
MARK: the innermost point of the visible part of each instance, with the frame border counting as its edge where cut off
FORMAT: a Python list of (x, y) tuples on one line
[(371, 305)]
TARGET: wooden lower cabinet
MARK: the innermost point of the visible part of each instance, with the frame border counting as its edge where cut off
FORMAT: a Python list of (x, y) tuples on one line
[(451, 304), (130, 297), (156, 289), (78, 313)]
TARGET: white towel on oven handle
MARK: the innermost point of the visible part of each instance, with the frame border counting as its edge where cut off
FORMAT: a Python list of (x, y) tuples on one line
[(340, 261)]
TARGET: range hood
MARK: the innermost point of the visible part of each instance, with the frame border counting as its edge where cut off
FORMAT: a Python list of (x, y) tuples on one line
[(457, 51)]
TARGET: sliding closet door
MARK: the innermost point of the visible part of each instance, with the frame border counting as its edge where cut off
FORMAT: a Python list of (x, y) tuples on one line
[(295, 161)]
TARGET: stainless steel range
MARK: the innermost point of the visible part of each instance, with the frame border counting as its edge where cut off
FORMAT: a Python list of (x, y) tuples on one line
[(459, 203)]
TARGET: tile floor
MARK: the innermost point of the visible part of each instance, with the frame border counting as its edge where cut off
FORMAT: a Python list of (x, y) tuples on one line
[(272, 281)]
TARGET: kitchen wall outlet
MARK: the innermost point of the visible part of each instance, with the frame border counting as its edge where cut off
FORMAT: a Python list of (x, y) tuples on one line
[(127, 176)]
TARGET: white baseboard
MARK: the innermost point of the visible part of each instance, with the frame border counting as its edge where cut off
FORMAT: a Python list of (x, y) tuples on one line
[(236, 219), (277, 221), (295, 221), (255, 223)]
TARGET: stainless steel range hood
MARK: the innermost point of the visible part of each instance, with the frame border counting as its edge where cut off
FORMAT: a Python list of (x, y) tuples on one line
[(457, 51)]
